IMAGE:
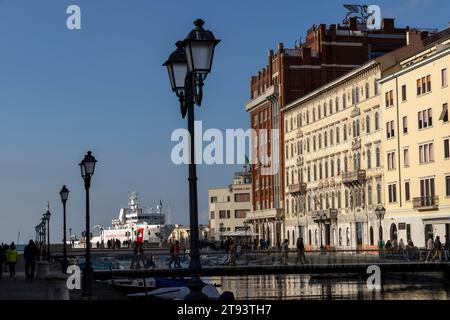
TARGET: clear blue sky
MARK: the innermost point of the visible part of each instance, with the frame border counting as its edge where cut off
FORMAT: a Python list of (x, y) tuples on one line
[(103, 88)]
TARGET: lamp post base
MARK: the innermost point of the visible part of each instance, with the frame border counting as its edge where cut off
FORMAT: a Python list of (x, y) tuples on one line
[(87, 283), (195, 286)]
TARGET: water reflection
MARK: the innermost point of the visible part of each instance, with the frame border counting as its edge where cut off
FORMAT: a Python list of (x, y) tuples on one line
[(285, 287)]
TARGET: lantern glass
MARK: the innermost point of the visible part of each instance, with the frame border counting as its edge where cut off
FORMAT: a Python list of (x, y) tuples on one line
[(64, 194)]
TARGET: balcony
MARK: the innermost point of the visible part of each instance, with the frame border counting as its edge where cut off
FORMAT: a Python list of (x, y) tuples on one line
[(297, 188), (327, 216), (354, 177), (426, 203)]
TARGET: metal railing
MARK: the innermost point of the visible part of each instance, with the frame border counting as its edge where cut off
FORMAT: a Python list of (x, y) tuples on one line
[(429, 202)]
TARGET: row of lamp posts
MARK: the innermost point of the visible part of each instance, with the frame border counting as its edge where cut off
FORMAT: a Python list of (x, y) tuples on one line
[(87, 167)]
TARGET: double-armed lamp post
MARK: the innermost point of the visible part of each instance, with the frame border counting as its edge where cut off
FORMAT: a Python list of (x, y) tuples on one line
[(188, 67), (87, 167), (64, 194)]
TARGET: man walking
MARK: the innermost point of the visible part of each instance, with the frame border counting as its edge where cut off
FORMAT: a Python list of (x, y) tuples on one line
[(31, 255), (284, 251), (300, 251), (446, 248), (437, 249), (430, 248)]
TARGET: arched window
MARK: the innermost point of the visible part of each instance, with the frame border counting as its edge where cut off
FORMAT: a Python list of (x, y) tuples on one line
[(314, 114), (369, 158), (357, 128), (288, 234), (315, 237), (375, 87), (336, 104), (357, 95), (309, 237), (348, 236), (331, 137), (307, 116), (338, 166), (378, 157), (327, 203), (325, 139), (367, 91), (319, 112), (371, 236), (324, 109), (293, 238), (315, 172), (333, 201), (367, 123), (393, 232), (320, 141), (307, 145), (330, 106), (339, 199), (337, 135), (332, 167), (314, 143), (326, 169), (346, 198), (345, 164), (344, 101), (340, 237), (369, 195), (320, 170), (378, 193), (345, 132), (377, 121)]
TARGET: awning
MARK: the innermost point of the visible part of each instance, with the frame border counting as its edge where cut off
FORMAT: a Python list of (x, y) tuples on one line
[(440, 220), (238, 234)]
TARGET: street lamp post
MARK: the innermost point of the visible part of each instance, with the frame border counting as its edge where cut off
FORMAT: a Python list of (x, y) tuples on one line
[(188, 67), (87, 167), (47, 218), (43, 237), (64, 194), (380, 212)]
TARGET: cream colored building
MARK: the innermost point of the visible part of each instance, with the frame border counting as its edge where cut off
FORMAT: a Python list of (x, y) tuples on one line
[(229, 206), (416, 133), (334, 157)]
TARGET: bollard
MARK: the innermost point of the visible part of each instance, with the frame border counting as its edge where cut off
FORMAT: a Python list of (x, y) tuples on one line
[(43, 269), (57, 286)]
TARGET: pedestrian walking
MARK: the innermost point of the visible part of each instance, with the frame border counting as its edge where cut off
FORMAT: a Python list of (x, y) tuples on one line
[(172, 255), (437, 249), (232, 252), (430, 248), (300, 251), (31, 255), (2, 259), (446, 248), (284, 251), (11, 260)]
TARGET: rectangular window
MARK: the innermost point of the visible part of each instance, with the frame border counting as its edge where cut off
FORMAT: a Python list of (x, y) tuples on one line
[(427, 188), (390, 132), (242, 197), (447, 186), (404, 92), (389, 98), (407, 191), (423, 85), (405, 125), (392, 188), (391, 160), (425, 118), (212, 215), (446, 148), (228, 214), (426, 153), (213, 199), (444, 114), (444, 77), (240, 214), (222, 214), (406, 157)]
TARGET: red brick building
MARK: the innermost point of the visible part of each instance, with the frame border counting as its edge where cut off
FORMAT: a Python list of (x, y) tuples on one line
[(328, 52)]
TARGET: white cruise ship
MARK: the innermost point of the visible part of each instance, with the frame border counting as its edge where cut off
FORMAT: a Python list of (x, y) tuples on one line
[(136, 224)]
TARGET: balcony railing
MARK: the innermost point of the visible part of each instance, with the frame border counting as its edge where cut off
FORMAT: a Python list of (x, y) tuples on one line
[(354, 177), (297, 188), (426, 203)]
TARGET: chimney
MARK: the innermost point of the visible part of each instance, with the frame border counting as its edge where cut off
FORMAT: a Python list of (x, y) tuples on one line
[(413, 37), (388, 25)]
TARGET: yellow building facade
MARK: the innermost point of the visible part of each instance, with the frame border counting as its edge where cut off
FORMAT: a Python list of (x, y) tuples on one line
[(416, 133)]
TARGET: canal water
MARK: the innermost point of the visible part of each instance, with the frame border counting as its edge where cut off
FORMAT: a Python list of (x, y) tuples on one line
[(286, 287)]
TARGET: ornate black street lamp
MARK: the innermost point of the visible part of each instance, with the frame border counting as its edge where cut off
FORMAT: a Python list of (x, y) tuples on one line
[(87, 167), (188, 67), (64, 194), (47, 219), (380, 212)]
